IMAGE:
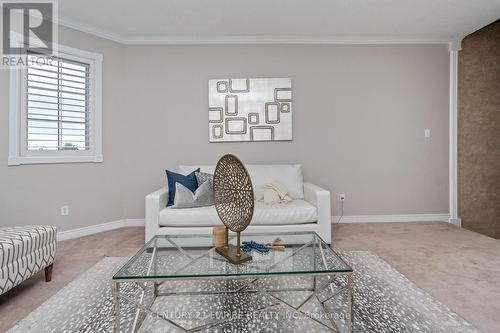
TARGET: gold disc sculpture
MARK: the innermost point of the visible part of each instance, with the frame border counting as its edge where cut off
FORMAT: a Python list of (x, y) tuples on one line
[(234, 202)]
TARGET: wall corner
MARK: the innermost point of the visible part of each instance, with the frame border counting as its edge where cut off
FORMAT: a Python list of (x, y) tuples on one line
[(455, 44)]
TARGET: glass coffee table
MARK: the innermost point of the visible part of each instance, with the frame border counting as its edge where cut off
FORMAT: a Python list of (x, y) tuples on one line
[(180, 284)]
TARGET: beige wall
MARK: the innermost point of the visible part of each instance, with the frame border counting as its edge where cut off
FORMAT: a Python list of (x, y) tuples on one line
[(34, 193), (479, 131), (359, 117)]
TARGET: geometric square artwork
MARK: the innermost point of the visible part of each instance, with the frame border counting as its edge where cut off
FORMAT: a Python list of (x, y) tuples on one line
[(243, 109), (215, 115)]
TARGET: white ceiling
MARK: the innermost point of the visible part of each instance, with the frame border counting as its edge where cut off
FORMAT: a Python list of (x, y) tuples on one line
[(198, 21)]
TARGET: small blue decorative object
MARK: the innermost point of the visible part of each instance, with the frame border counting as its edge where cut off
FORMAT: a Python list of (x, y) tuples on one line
[(251, 245)]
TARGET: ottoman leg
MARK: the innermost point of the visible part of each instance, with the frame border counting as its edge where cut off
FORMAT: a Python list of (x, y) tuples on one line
[(48, 273)]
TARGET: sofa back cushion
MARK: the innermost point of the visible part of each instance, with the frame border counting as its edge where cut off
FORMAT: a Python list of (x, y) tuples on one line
[(288, 174), (188, 181)]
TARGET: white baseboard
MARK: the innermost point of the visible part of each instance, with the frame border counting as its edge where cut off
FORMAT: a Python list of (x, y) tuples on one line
[(457, 221), (94, 229), (392, 218)]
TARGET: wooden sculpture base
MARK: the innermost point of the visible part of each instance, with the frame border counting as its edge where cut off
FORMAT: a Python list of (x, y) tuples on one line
[(231, 253)]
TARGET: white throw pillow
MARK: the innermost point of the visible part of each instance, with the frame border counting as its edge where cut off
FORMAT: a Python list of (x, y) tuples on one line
[(290, 175)]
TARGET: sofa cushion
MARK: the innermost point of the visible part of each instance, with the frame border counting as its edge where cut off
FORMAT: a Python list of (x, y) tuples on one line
[(202, 177), (288, 174), (188, 181), (295, 212), (184, 198)]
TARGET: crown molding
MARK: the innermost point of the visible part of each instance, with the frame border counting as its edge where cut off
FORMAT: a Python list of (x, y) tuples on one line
[(455, 44), (277, 40), (217, 40), (90, 30)]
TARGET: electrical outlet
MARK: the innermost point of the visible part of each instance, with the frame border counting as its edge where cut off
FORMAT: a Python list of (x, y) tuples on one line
[(342, 197), (64, 210), (427, 133)]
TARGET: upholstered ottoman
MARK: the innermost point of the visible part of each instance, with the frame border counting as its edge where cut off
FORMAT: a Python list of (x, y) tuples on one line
[(24, 251)]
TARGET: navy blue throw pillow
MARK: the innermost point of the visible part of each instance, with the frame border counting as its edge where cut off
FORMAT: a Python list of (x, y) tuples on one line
[(189, 181)]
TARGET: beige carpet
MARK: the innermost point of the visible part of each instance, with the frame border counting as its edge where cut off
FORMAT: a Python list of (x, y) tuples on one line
[(458, 267)]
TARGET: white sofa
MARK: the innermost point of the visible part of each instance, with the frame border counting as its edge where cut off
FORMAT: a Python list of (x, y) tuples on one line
[(309, 211)]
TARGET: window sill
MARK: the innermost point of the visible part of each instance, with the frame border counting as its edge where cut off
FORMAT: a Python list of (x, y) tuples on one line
[(19, 160)]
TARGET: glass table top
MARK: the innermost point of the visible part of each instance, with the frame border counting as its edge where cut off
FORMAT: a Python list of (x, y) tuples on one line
[(193, 256)]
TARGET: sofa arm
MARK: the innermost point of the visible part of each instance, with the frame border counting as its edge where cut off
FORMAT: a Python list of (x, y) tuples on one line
[(320, 198), (155, 202)]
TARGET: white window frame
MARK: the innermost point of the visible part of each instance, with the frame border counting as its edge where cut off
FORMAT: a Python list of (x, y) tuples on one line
[(18, 152)]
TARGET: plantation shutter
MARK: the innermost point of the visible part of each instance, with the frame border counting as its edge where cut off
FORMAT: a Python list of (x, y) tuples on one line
[(58, 105)]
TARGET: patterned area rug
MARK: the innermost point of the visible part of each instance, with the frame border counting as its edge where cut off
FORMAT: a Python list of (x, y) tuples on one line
[(384, 301)]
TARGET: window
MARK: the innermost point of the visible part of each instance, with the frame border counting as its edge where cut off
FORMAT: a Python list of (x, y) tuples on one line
[(58, 105), (56, 109)]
